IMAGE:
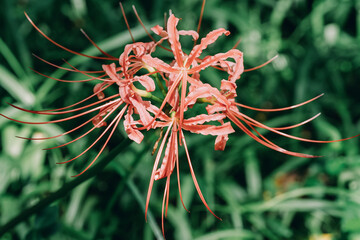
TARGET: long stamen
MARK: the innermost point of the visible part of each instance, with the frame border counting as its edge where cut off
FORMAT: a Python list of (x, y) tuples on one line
[(92, 129), (84, 100), (261, 136), (147, 32), (60, 46), (95, 45), (279, 109), (262, 65), (72, 130), (291, 136), (237, 44), (57, 66), (200, 19), (142, 24), (126, 22), (64, 112), (166, 195), (178, 172), (106, 142), (86, 74), (61, 120), (152, 178), (194, 177), (62, 134), (73, 81), (170, 92), (297, 125), (272, 146)]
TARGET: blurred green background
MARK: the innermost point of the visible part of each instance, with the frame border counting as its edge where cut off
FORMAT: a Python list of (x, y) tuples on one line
[(259, 193)]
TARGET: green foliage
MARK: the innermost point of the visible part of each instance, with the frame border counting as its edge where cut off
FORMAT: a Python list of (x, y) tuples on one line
[(259, 193)]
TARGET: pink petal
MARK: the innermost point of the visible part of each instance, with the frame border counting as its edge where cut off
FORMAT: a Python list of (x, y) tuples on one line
[(168, 163), (213, 60), (220, 142), (146, 81), (98, 88), (155, 110), (205, 91), (132, 133), (229, 87), (201, 92), (125, 92), (158, 64), (192, 33), (110, 70), (174, 39), (140, 107), (202, 118), (158, 30), (195, 80), (215, 108), (209, 39), (210, 129), (158, 124)]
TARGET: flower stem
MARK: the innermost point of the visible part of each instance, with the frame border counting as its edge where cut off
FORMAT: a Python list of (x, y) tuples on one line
[(68, 187), (146, 94), (159, 83)]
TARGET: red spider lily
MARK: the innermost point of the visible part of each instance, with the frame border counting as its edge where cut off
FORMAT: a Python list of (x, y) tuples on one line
[(188, 65)]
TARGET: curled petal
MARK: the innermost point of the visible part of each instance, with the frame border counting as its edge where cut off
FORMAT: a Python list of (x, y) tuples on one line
[(110, 70), (139, 49), (194, 80), (140, 107), (209, 39), (210, 129), (146, 81), (168, 163), (161, 115), (98, 122), (97, 90), (174, 39), (158, 30), (205, 91), (213, 60), (192, 33), (159, 124), (201, 92), (211, 109), (229, 87), (132, 133), (157, 64), (202, 118), (220, 142)]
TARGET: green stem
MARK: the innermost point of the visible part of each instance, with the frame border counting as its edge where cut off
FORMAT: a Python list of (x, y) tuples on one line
[(146, 94), (153, 97), (159, 83), (68, 187)]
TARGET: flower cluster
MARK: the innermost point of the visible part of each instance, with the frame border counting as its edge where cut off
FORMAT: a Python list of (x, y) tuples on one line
[(161, 97)]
